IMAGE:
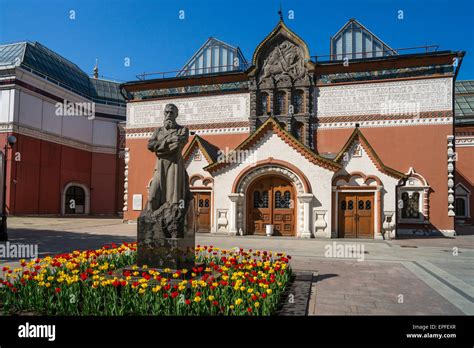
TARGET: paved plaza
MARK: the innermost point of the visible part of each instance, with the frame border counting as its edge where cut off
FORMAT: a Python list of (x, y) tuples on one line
[(408, 276)]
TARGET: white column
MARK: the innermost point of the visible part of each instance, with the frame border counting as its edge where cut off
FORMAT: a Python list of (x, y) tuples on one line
[(306, 199), (234, 200)]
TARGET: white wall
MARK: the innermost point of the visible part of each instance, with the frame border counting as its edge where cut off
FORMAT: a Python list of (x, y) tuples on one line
[(271, 145), (369, 98), (35, 115), (7, 101)]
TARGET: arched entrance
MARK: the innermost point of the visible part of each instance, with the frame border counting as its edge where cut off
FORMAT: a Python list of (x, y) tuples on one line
[(75, 199), (271, 200)]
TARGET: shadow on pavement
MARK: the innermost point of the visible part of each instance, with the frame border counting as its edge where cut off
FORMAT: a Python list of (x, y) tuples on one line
[(55, 242), (326, 276)]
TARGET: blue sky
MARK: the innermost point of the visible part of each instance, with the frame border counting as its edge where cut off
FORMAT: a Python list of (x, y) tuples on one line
[(154, 38)]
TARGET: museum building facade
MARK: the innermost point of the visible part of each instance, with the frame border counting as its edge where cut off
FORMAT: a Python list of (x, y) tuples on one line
[(358, 146), (66, 159)]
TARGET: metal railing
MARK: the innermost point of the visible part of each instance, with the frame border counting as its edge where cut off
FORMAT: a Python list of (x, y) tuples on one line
[(195, 71), (376, 53)]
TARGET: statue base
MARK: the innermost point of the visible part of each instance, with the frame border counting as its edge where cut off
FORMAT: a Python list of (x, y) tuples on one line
[(156, 250)]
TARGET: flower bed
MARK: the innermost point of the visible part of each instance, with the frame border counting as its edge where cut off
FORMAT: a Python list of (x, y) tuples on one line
[(229, 282)]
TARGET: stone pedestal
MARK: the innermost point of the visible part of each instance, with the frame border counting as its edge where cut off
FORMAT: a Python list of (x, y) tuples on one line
[(160, 251)]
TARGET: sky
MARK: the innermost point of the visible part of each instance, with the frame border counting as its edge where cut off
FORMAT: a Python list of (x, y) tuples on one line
[(129, 37)]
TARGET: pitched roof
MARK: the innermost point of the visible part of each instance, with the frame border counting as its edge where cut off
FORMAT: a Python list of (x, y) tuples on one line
[(358, 136), (272, 124), (47, 64), (209, 58), (210, 151), (349, 29), (281, 28)]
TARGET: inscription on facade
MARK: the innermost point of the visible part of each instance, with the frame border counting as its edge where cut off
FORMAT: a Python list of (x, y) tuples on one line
[(373, 98), (196, 110)]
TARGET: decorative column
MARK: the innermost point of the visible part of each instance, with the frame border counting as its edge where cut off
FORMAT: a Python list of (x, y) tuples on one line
[(125, 182), (451, 156), (378, 233), (306, 199), (234, 200)]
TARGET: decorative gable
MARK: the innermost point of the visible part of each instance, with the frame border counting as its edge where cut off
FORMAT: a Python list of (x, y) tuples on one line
[(281, 59), (356, 145), (271, 125)]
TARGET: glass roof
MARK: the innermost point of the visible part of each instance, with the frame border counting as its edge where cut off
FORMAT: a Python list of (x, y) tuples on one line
[(43, 62), (464, 86), (464, 102)]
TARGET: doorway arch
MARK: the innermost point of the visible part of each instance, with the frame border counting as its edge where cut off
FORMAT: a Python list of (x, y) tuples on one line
[(271, 200), (75, 199)]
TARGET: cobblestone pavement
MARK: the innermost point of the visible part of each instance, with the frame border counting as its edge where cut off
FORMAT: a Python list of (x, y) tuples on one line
[(408, 276)]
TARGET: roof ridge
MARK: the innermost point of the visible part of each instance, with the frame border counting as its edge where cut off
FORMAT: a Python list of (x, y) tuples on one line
[(283, 134)]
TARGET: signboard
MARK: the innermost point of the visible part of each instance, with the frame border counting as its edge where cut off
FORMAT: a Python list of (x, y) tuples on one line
[(137, 202)]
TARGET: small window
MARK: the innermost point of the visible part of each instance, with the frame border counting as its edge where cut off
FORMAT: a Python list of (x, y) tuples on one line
[(201, 203), (343, 205), (256, 199), (298, 98), (298, 130), (281, 103), (260, 200), (360, 205), (350, 205), (368, 205), (206, 203), (277, 199), (265, 199), (411, 205), (287, 199), (263, 104)]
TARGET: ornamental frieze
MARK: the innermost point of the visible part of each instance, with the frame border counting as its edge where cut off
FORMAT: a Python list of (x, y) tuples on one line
[(184, 90)]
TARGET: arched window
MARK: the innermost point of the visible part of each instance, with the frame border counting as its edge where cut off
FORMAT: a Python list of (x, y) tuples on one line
[(260, 201), (298, 130), (263, 104), (413, 199), (256, 199), (277, 199), (287, 201), (265, 199), (298, 102), (280, 103)]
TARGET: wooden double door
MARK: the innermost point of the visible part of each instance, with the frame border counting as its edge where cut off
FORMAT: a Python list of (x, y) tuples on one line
[(356, 215), (271, 201), (202, 211)]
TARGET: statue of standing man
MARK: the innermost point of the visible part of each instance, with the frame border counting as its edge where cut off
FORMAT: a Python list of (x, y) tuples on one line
[(169, 194)]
